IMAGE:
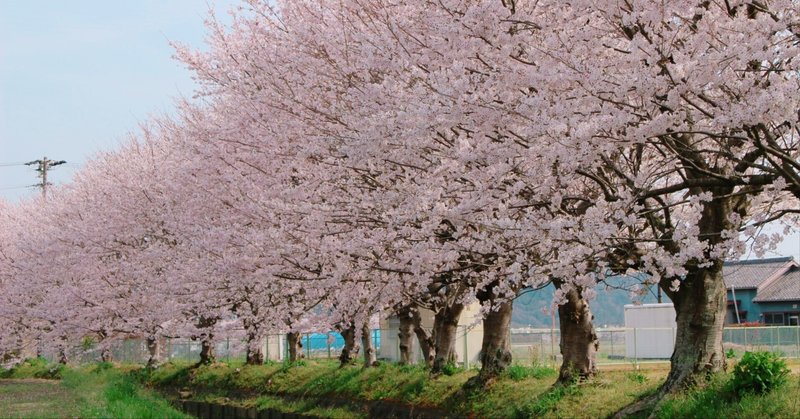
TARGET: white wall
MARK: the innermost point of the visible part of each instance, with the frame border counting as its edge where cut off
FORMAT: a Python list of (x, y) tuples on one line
[(650, 330)]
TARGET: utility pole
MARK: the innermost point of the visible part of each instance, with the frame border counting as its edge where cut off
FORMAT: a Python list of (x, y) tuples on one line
[(43, 166)]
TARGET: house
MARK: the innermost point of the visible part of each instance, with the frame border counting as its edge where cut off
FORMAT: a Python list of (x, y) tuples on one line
[(765, 291)]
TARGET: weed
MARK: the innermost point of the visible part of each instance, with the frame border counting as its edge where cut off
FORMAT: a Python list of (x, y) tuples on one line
[(521, 372), (450, 369), (636, 376), (517, 372), (758, 373)]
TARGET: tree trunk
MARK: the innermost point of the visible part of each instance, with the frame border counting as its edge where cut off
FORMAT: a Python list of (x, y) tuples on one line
[(700, 314), (105, 355), (350, 346), (370, 357), (424, 338), (207, 356), (700, 308), (254, 354), (405, 333), (294, 341), (154, 351), (700, 305), (579, 342), (496, 345), (445, 328), (63, 358)]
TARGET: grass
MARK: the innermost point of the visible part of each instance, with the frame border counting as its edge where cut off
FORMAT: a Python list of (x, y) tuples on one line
[(36, 398), (523, 391), (34, 368), (719, 399), (98, 391)]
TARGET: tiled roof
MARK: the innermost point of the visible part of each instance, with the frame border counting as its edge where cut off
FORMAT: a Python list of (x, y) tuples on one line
[(785, 288), (751, 273)]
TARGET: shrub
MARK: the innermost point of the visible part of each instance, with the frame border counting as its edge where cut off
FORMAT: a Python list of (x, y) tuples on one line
[(450, 369), (758, 373)]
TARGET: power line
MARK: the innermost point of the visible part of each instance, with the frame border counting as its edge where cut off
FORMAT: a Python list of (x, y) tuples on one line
[(11, 164), (18, 187)]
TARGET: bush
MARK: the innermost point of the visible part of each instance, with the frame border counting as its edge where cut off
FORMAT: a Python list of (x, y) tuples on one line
[(758, 373), (450, 369)]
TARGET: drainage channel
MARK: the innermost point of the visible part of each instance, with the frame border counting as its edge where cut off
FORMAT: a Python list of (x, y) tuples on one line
[(375, 409), (206, 410)]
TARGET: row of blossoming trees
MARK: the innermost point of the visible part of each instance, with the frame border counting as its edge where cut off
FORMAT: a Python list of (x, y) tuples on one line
[(352, 157)]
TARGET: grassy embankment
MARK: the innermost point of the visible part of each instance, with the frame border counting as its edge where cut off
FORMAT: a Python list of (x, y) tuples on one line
[(522, 392), (101, 391), (96, 391)]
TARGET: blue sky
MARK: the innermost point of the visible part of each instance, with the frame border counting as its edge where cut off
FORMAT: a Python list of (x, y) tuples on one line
[(76, 76)]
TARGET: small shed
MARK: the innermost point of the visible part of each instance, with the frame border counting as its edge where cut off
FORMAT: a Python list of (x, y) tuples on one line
[(649, 330)]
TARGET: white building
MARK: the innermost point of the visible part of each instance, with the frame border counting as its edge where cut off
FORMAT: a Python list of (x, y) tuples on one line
[(468, 338)]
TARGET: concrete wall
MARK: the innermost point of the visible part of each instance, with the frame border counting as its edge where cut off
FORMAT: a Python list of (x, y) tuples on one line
[(274, 347), (650, 330)]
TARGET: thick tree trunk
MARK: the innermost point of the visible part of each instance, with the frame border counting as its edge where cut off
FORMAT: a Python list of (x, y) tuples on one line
[(496, 345), (350, 346), (700, 304), (370, 357), (105, 355), (700, 309), (154, 351), (579, 342), (63, 358), (294, 341), (700, 315), (405, 334), (425, 341), (254, 354), (445, 328), (207, 355)]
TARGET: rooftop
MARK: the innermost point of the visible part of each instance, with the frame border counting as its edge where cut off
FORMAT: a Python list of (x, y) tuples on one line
[(785, 288), (749, 274)]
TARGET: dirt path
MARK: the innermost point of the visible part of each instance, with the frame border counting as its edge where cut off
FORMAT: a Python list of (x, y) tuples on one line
[(25, 398)]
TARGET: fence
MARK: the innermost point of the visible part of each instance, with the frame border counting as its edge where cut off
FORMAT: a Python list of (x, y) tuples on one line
[(541, 346)]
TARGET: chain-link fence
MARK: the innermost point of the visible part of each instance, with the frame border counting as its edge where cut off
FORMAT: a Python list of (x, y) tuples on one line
[(528, 346)]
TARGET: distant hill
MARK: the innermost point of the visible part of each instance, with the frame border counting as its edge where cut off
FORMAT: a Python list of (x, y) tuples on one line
[(532, 308)]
